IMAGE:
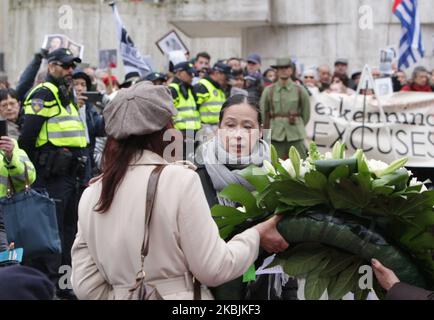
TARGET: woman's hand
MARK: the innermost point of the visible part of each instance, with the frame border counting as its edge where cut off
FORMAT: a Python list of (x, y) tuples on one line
[(7, 145), (271, 240), (385, 276)]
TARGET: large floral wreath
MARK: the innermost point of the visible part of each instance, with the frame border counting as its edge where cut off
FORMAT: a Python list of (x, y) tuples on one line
[(339, 214)]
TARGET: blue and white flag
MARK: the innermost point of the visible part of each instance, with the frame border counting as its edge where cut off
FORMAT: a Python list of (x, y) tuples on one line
[(133, 60), (410, 46)]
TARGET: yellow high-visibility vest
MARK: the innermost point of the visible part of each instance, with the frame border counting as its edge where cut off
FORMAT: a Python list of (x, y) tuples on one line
[(64, 127), (210, 103), (188, 117)]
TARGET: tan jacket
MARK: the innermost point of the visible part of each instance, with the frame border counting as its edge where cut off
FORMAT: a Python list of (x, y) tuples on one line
[(184, 239)]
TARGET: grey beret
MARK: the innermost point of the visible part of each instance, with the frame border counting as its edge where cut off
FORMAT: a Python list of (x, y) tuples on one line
[(141, 109)]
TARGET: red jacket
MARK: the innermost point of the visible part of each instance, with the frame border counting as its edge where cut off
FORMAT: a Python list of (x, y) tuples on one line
[(418, 88)]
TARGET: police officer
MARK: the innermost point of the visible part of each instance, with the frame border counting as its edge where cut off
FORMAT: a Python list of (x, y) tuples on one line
[(210, 96), (188, 118), (285, 109), (54, 137)]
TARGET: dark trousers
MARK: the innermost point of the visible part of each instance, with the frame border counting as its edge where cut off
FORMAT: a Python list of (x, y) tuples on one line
[(63, 189)]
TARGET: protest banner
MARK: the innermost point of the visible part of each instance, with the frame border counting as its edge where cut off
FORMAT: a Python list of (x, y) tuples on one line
[(405, 130)]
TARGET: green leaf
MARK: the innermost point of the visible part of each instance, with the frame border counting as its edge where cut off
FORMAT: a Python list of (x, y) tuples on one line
[(225, 232), (274, 157), (384, 190), (340, 172), (327, 166), (315, 180), (315, 286), (256, 176), (295, 159), (398, 179), (395, 165), (302, 262), (296, 193), (348, 195), (362, 165), (338, 151), (240, 194), (339, 263), (416, 202), (227, 218), (343, 283)]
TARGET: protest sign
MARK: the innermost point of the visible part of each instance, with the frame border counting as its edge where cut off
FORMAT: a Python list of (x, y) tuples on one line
[(405, 130), (55, 41), (108, 59)]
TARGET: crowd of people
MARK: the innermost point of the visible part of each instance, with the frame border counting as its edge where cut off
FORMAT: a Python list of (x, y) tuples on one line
[(96, 158)]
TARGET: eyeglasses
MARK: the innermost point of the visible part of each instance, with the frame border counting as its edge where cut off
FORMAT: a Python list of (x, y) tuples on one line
[(66, 66), (308, 77)]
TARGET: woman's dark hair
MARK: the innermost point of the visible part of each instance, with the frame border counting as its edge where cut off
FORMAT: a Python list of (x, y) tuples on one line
[(341, 77), (117, 157), (239, 99), (268, 70), (4, 93)]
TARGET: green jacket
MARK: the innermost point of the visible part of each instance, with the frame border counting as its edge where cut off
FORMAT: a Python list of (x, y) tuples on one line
[(15, 168), (286, 111)]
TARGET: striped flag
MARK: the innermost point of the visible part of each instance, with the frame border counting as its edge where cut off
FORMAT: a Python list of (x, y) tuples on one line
[(133, 60), (410, 44)]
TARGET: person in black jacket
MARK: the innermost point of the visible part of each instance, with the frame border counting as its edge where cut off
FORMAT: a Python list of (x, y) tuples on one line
[(237, 145), (27, 79), (94, 121)]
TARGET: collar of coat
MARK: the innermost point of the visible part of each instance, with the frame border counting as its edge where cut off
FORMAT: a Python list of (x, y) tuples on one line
[(215, 83), (183, 87), (290, 84)]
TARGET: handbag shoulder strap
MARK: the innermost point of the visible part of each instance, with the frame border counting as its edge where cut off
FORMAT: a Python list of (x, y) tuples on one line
[(10, 184), (150, 199)]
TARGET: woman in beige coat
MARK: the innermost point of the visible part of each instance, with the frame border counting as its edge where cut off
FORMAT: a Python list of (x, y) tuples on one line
[(184, 242)]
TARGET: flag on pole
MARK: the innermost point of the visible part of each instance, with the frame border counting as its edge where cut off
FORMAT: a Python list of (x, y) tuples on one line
[(410, 44), (133, 60)]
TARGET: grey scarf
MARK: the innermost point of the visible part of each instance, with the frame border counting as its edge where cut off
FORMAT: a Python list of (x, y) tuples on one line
[(224, 168)]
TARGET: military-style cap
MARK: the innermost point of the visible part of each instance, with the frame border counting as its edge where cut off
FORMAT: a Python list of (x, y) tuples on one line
[(141, 109), (282, 63), (64, 56)]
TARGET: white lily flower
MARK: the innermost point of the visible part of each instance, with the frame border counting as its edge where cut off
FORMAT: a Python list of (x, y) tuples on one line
[(269, 167), (414, 182), (376, 166), (305, 168), (328, 156), (288, 166), (242, 209)]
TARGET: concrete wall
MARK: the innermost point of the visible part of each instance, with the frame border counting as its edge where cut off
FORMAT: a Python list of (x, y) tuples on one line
[(93, 26), (3, 25), (313, 31), (317, 32)]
